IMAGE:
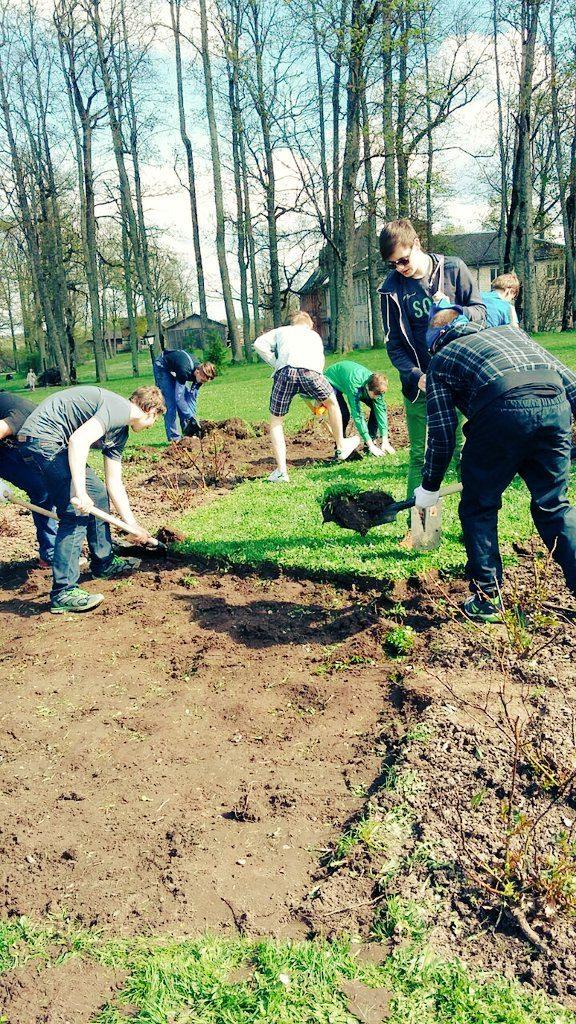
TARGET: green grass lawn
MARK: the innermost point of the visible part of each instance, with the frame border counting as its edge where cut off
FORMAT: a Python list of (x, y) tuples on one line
[(261, 524), (244, 391), (241, 981)]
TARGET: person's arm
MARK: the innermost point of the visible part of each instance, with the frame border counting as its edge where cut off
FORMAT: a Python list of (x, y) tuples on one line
[(265, 346), (399, 354), (468, 296), (381, 414), (5, 429), (78, 449), (442, 421), (119, 498), (513, 316)]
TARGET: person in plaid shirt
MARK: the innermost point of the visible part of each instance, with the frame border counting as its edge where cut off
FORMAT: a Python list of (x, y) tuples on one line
[(297, 354), (519, 401)]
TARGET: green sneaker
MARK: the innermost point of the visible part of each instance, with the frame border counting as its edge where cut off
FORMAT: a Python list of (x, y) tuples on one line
[(76, 600), (118, 567), (483, 609)]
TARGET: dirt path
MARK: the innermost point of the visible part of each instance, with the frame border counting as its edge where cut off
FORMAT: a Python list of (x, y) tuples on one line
[(185, 757)]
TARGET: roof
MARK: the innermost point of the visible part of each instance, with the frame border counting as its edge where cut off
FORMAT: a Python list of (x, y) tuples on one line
[(477, 249), (480, 248), (192, 317)]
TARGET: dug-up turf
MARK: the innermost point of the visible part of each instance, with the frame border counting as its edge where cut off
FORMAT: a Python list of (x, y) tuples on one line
[(210, 751)]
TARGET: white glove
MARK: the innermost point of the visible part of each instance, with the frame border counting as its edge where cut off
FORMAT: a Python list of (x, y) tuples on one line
[(375, 450), (6, 492), (424, 498), (387, 448)]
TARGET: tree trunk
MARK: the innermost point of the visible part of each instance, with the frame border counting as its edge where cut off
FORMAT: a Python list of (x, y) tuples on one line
[(373, 282), (401, 156), (127, 267), (30, 230), (502, 150), (388, 114), (326, 227), (86, 192), (569, 254), (126, 195), (249, 232), (336, 280), (520, 232), (270, 183), (218, 195), (175, 17)]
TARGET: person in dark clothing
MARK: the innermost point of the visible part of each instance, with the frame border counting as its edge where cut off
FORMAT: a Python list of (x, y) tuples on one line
[(173, 370), (16, 470), (416, 280), (56, 440), (519, 401)]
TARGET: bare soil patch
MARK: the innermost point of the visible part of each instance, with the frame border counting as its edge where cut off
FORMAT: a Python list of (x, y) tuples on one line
[(187, 756)]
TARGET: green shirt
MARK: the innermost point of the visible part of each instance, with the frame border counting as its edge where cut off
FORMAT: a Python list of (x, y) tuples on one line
[(351, 378)]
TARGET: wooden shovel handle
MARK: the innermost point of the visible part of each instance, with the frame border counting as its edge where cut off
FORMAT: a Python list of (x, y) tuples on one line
[(115, 521), (450, 489)]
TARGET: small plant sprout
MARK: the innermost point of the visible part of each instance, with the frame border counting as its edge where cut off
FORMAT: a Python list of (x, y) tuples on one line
[(399, 641)]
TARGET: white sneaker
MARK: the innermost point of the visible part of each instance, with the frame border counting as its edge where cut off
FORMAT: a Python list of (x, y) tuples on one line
[(278, 477), (350, 445)]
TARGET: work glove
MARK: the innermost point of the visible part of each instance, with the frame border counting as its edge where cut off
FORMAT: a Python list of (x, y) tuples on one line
[(375, 450), (424, 498), (192, 428), (387, 448), (6, 492)]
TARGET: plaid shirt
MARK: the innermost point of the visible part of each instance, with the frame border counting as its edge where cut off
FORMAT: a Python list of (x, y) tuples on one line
[(458, 371)]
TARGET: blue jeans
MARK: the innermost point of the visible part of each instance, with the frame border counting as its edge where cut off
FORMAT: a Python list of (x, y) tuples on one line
[(53, 467), (180, 401), (530, 437), (23, 474)]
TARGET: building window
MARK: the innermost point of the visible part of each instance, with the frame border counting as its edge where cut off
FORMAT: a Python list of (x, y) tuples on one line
[(493, 273)]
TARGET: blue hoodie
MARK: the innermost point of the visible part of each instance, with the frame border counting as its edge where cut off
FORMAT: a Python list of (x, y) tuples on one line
[(406, 343)]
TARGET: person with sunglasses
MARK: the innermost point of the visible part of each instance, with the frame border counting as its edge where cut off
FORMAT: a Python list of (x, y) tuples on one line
[(415, 280)]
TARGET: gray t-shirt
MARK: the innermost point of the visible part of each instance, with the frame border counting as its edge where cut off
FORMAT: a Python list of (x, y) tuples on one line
[(58, 417)]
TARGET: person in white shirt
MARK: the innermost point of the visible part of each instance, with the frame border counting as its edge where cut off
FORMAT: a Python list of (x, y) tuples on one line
[(31, 379), (297, 354)]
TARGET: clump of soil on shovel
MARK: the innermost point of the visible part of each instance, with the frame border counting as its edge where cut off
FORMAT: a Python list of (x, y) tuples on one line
[(358, 511)]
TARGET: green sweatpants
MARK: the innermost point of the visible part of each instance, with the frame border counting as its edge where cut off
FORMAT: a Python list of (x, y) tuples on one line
[(416, 422)]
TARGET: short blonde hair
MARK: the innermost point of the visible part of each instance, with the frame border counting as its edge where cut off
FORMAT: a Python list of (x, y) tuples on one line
[(209, 370), (504, 281), (303, 318), (149, 399), (377, 384)]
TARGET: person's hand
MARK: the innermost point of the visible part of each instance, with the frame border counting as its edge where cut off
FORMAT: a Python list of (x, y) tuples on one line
[(375, 450), (139, 535), (82, 503), (6, 492), (422, 383), (387, 448), (424, 498), (440, 297)]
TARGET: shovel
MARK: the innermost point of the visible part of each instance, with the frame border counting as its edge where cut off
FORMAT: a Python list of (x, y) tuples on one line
[(364, 511), (98, 513)]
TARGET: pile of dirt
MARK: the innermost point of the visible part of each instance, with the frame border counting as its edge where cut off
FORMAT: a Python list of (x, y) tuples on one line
[(360, 511)]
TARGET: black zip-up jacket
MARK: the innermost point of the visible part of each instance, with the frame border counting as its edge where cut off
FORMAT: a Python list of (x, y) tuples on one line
[(410, 357), (180, 363)]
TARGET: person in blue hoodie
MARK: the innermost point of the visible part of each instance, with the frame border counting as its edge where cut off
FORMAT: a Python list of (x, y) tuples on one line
[(415, 281), (499, 301)]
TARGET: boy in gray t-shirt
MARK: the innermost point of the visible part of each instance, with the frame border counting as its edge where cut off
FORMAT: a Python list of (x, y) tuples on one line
[(56, 440)]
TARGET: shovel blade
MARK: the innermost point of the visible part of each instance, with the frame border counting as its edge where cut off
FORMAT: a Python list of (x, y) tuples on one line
[(426, 528)]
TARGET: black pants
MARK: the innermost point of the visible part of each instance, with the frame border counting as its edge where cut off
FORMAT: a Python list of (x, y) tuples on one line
[(372, 421), (530, 437)]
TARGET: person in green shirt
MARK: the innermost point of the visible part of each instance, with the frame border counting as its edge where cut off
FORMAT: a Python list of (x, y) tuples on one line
[(356, 386)]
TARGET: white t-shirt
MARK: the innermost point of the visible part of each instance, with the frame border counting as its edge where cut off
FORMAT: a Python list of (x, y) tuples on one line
[(295, 345)]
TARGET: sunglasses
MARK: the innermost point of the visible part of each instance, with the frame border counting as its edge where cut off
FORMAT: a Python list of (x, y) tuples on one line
[(402, 262)]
